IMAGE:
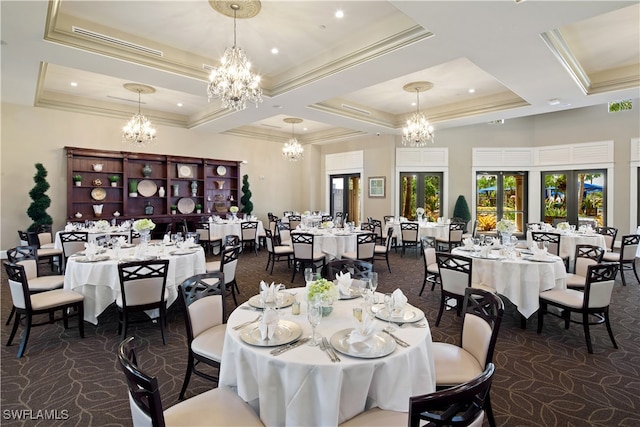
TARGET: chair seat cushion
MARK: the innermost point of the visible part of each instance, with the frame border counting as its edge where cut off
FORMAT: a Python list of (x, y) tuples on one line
[(454, 365), (212, 266), (483, 287), (566, 297), (49, 252), (217, 407), (576, 280), (210, 342), (282, 250), (47, 246), (57, 297), (119, 298), (433, 268), (611, 256), (45, 283), (350, 255), (380, 249), (375, 417)]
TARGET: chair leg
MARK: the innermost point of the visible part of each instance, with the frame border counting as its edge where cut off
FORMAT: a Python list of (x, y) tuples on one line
[(233, 291), (163, 320), (80, 309), (187, 376), (14, 329), (587, 334), (489, 410), (295, 267), (608, 324), (386, 255), (441, 309), (541, 311), (635, 272), (13, 310), (424, 283), (624, 282), (25, 335)]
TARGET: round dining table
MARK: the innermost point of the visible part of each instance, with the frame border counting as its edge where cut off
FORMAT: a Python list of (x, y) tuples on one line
[(303, 387), (333, 242), (99, 280), (569, 240), (425, 229)]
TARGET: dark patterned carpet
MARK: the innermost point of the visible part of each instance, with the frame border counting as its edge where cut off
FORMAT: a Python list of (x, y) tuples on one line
[(547, 379)]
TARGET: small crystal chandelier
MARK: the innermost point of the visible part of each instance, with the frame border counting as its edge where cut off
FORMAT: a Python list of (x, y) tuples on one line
[(233, 82), (292, 149), (138, 131), (418, 132)]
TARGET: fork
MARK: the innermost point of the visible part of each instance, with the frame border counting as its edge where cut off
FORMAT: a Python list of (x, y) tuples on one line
[(414, 324), (333, 354), (242, 325), (324, 348)]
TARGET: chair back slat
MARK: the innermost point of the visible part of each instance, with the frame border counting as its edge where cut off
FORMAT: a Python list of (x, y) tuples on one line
[(143, 282), (455, 272), (202, 299)]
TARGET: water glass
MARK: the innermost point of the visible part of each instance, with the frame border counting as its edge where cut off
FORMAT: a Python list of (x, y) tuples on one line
[(388, 305), (373, 278), (308, 275), (314, 315)]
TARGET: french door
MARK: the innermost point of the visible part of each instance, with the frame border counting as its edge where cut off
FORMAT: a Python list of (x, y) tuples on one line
[(420, 190), (574, 196), (346, 196), (501, 195)]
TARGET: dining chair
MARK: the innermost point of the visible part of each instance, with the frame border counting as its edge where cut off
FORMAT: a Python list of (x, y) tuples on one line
[(338, 220), (455, 277), (45, 248), (201, 298), (27, 256), (304, 254), (594, 301), (368, 227), (231, 240), (586, 255), (474, 230), (388, 218), (357, 268), (248, 235), (72, 242), (626, 258), (277, 252), (381, 252), (227, 264), (377, 229), (609, 234), (28, 305), (283, 236), (461, 405), (457, 364), (294, 221), (326, 218), (208, 241), (143, 286), (431, 270), (219, 407), (192, 235), (549, 239), (452, 239), (365, 248), (410, 236)]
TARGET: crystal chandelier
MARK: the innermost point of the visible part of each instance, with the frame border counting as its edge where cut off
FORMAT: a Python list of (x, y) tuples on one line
[(292, 149), (138, 131), (418, 132), (233, 82)]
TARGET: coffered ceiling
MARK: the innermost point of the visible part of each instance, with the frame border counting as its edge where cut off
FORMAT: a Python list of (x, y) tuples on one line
[(342, 76)]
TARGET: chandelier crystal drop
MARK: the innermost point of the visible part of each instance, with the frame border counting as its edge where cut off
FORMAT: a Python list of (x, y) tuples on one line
[(292, 149), (233, 82), (138, 131), (418, 132)]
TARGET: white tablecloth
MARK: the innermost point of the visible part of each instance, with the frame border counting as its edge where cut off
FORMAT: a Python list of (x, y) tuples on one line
[(93, 234), (519, 280), (302, 387), (100, 284), (426, 229), (333, 242), (221, 229), (569, 241)]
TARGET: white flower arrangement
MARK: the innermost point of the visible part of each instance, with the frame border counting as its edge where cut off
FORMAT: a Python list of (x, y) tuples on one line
[(143, 224), (102, 225), (327, 224), (306, 213), (233, 209), (506, 226), (564, 226), (420, 211), (324, 289)]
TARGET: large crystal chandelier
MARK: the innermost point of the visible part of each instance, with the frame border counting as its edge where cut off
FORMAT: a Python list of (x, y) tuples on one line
[(292, 149), (138, 131), (233, 82), (418, 132)]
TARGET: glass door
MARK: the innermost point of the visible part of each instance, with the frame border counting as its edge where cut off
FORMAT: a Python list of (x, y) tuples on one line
[(420, 189), (578, 197), (501, 195), (345, 196)]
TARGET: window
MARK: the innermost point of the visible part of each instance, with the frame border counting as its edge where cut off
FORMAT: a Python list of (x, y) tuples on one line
[(574, 196), (420, 189), (501, 195)]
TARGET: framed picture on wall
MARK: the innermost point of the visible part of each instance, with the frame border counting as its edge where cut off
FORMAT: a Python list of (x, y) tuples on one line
[(376, 186)]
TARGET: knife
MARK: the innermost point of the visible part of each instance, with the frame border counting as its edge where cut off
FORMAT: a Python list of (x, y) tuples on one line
[(334, 356), (400, 342), (325, 350), (287, 347)]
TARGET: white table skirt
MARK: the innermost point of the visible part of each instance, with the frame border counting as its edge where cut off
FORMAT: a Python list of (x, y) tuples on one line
[(302, 387), (426, 229), (333, 243), (221, 229), (100, 284), (569, 241), (519, 280)]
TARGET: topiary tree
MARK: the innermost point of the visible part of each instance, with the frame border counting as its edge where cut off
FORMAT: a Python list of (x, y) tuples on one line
[(37, 211), (461, 210), (247, 206)]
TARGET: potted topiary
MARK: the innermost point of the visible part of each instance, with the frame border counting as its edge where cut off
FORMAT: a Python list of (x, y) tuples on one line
[(247, 206), (174, 209), (133, 188), (113, 179), (198, 208), (77, 179), (37, 210), (461, 211)]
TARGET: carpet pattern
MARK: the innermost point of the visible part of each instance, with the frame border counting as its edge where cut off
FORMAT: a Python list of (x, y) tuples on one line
[(541, 379)]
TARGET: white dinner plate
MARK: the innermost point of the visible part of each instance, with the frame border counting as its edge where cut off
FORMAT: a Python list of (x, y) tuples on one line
[(410, 315), (97, 258), (255, 302), (381, 344), (353, 293), (547, 259), (286, 332), (183, 252)]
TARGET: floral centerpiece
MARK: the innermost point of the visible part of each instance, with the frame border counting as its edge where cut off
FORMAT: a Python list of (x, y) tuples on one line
[(327, 224), (307, 213), (102, 225), (233, 209), (506, 226), (324, 290), (420, 211), (563, 226), (142, 225)]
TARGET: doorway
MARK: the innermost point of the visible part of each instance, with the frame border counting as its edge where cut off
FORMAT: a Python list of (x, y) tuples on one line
[(345, 196), (420, 190), (577, 196)]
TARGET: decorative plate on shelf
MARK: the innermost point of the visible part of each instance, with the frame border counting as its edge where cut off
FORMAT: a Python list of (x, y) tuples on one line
[(98, 193), (221, 170), (186, 205), (147, 188), (185, 171)]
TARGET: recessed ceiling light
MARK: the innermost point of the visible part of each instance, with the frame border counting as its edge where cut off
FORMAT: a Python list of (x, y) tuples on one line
[(339, 14), (179, 104), (74, 84), (277, 106), (305, 129), (274, 50), (472, 90), (554, 101)]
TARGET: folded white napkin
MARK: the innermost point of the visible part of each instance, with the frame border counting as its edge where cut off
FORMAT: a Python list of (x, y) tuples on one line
[(495, 241), (399, 301), (120, 240), (190, 241), (344, 283), (69, 227), (267, 292), (90, 250), (539, 254), (468, 243), (166, 239), (485, 251), (361, 338), (268, 324)]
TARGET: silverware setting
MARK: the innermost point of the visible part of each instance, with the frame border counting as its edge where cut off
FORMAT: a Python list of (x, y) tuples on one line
[(326, 347), (279, 350), (242, 325), (413, 324), (399, 341)]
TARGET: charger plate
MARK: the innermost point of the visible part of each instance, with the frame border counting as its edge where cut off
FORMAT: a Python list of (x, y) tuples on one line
[(410, 315), (97, 258), (147, 188), (255, 302), (380, 345), (183, 252), (286, 332), (186, 205), (98, 193)]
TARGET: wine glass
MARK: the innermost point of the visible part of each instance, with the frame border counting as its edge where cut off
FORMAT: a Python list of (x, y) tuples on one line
[(314, 315), (388, 304), (373, 280), (308, 275)]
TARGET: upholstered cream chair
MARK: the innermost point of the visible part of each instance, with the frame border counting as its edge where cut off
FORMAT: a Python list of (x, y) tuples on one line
[(586, 255)]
